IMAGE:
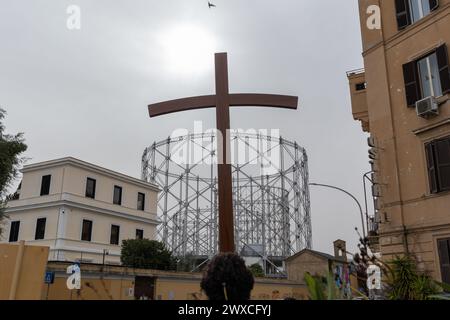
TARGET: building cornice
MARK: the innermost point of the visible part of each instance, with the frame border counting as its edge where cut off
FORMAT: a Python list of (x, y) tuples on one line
[(85, 249), (432, 126), (70, 161), (73, 204), (418, 228)]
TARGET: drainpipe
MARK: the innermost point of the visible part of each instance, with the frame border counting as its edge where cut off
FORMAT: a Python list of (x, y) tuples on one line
[(405, 235), (17, 269)]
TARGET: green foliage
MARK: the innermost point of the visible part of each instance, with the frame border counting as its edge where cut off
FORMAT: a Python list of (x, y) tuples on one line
[(11, 147), (424, 287), (438, 291), (407, 284), (332, 289), (322, 288), (256, 270), (444, 286), (146, 254), (444, 294), (315, 287)]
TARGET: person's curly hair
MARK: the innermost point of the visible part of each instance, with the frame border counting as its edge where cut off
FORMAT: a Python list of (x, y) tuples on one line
[(227, 278)]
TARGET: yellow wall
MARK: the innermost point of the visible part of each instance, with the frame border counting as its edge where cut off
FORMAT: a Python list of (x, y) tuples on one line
[(117, 282), (189, 289), (179, 289), (30, 271), (114, 282), (165, 289), (277, 291), (91, 289)]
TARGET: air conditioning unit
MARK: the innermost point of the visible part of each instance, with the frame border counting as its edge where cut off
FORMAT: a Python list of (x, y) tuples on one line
[(427, 107)]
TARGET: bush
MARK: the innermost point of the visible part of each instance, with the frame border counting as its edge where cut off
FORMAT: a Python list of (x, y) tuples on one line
[(407, 284), (256, 270), (146, 254)]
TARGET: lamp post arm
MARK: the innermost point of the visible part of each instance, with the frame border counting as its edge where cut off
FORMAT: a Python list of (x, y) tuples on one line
[(350, 195)]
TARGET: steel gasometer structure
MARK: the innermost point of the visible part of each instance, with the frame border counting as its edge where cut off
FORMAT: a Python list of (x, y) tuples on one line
[(270, 195)]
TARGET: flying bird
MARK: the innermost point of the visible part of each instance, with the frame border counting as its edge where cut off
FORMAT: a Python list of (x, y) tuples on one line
[(211, 5)]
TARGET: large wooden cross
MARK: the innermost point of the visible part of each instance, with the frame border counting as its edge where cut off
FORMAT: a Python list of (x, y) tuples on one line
[(222, 100)]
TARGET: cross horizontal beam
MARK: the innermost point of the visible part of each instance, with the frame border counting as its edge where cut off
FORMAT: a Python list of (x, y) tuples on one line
[(221, 101), (235, 100)]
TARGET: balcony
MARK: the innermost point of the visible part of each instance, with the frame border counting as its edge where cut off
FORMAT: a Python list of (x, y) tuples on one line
[(358, 87)]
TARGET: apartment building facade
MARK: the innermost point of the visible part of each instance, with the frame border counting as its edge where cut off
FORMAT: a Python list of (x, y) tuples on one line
[(402, 100), (81, 211)]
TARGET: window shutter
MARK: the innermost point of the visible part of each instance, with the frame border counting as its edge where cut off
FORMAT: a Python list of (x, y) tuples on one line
[(443, 163), (444, 259), (411, 85), (434, 4), (403, 13), (444, 71), (429, 148)]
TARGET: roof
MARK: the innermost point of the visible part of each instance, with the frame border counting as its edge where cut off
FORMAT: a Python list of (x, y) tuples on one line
[(86, 165), (317, 253)]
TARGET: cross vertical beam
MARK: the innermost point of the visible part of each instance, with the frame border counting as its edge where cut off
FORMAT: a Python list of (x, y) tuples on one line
[(226, 227), (222, 101)]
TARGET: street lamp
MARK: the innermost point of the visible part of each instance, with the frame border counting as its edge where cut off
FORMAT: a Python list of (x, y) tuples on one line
[(349, 194)]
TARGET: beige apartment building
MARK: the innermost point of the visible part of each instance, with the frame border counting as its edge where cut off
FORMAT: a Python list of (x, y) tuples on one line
[(81, 211), (402, 99)]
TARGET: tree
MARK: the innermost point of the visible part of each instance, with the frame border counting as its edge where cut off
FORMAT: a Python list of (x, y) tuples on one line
[(11, 147), (256, 270), (146, 254)]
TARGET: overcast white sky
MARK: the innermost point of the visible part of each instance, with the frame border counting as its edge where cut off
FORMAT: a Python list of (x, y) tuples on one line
[(84, 93)]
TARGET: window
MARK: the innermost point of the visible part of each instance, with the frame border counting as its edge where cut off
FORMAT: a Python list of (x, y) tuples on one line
[(45, 185), (444, 259), (427, 76), (410, 11), (141, 201), (117, 199), (40, 229), (115, 231), (438, 163), (90, 188), (361, 86), (139, 234), (419, 9), (14, 231), (86, 232), (430, 83)]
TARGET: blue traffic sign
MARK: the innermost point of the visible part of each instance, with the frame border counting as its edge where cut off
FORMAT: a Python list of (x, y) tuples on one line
[(49, 277)]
